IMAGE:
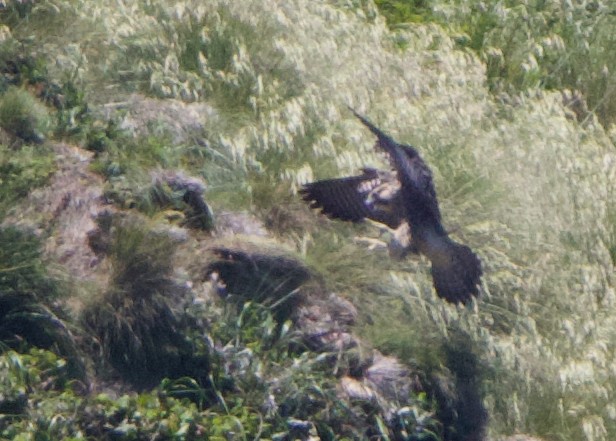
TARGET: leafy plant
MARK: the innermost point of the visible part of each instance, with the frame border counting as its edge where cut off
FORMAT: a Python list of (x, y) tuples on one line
[(36, 389), (21, 66), (37, 403), (16, 10), (406, 11), (73, 117), (29, 315), (23, 116), (21, 171)]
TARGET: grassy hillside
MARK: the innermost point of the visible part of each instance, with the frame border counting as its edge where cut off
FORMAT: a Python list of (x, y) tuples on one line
[(511, 110)]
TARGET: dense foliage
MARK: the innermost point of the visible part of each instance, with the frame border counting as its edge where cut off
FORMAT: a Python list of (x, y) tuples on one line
[(512, 105), (551, 45)]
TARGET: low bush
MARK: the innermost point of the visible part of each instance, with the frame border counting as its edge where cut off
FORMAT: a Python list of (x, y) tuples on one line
[(29, 315), (21, 171), (137, 329), (23, 116)]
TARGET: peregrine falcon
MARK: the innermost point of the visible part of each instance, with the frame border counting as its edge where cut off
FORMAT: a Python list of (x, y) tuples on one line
[(402, 198)]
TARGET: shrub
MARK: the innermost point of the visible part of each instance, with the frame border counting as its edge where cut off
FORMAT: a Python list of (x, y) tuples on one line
[(28, 311), (549, 45), (405, 11), (16, 10), (22, 66), (138, 331), (17, 65), (21, 171), (23, 116)]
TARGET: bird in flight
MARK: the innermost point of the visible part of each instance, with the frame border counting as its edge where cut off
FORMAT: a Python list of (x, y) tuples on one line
[(402, 198)]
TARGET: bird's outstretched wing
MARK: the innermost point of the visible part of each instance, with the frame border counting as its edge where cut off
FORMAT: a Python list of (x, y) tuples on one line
[(348, 198)]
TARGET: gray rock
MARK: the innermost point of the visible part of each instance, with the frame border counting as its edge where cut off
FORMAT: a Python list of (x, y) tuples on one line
[(140, 113)]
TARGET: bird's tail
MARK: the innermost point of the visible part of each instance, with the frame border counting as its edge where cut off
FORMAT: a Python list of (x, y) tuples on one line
[(456, 273)]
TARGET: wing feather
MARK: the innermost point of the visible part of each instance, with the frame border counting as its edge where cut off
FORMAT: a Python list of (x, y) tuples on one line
[(346, 198)]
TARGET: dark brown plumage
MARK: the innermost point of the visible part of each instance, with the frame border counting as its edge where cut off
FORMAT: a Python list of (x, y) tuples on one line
[(407, 195)]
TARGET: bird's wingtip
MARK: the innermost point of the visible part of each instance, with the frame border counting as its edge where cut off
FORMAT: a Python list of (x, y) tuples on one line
[(383, 137), (362, 118)]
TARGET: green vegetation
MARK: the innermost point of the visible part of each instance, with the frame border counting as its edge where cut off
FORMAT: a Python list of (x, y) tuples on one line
[(527, 45), (29, 316), (23, 116), (40, 401), (133, 322), (512, 105), (22, 170), (406, 11)]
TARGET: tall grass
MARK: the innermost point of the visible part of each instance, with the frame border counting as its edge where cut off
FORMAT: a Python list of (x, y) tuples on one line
[(134, 323), (521, 182), (552, 45), (29, 311), (21, 171)]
